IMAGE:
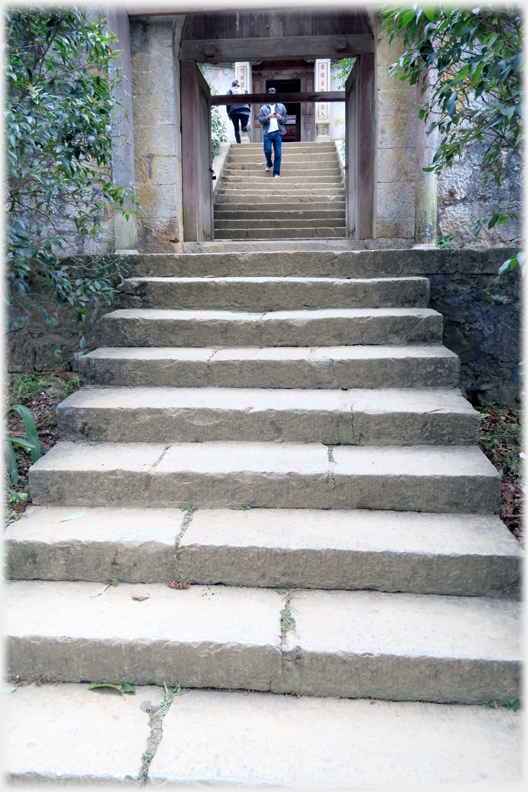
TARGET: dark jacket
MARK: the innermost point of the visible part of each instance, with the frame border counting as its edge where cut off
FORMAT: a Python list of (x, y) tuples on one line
[(238, 108), (264, 120)]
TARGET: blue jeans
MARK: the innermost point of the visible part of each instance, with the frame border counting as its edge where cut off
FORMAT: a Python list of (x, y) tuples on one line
[(274, 138)]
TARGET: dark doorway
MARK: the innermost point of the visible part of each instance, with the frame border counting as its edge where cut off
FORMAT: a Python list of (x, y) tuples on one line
[(293, 124)]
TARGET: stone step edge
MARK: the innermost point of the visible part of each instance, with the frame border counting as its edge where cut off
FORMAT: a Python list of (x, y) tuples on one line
[(327, 550)]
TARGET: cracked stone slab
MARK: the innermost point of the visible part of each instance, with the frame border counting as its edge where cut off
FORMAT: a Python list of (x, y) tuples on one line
[(132, 545), (331, 416), (258, 740), (266, 474), (407, 647), (272, 294), (151, 327), (431, 479), (343, 367), (67, 733), (199, 637), (465, 555)]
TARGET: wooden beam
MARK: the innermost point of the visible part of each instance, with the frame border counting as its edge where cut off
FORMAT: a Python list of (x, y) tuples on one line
[(265, 98), (288, 48)]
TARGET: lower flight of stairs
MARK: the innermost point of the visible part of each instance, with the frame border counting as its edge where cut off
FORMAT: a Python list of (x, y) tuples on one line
[(297, 452), (307, 201)]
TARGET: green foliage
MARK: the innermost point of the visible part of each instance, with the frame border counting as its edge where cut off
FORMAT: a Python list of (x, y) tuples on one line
[(345, 66), (28, 441), (29, 386), (476, 94), (218, 130), (60, 124), (126, 687)]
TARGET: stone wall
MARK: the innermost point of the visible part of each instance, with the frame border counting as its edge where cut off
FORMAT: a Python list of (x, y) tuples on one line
[(156, 87), (396, 125)]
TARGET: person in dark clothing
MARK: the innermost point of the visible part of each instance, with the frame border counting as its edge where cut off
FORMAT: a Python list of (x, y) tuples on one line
[(238, 113), (273, 117)]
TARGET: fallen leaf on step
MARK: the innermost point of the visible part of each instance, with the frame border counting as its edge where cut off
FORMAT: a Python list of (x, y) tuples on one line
[(73, 516), (100, 591), (178, 584), (140, 597)]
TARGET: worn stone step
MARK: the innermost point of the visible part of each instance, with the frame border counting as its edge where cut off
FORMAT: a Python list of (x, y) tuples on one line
[(258, 740), (405, 647), (200, 637), (258, 179), (288, 222), (58, 733), (222, 213), (325, 327), (456, 555), (356, 417), (272, 294), (275, 189), (258, 201), (298, 167), (278, 475), (276, 367), (343, 643), (280, 233)]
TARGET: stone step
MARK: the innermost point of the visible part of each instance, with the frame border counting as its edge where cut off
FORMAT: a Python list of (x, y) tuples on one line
[(329, 327), (272, 294), (274, 475), (448, 554), (293, 367), (280, 223), (297, 202), (355, 417), (221, 213), (235, 168), (274, 187), (60, 733), (280, 233), (291, 157), (343, 643), (250, 179)]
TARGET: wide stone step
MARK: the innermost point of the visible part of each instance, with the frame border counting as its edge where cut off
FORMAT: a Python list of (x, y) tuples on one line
[(352, 644), (297, 202), (354, 417), (276, 189), (221, 213), (233, 167), (462, 555), (326, 327), (288, 223), (272, 294), (258, 179), (274, 475), (293, 367), (59, 733), (281, 233), (328, 221)]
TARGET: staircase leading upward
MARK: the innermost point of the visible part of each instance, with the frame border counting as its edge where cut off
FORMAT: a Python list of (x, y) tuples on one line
[(308, 201), (297, 450)]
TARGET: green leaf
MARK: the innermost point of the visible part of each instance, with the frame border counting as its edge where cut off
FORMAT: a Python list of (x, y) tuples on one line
[(10, 689), (429, 13), (126, 687), (106, 685), (74, 516), (407, 18), (31, 430)]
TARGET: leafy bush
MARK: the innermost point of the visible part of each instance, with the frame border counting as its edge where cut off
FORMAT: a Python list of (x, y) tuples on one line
[(60, 124), (28, 441)]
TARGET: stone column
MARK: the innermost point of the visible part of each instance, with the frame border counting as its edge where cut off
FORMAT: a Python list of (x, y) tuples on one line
[(425, 184), (322, 83), (123, 156)]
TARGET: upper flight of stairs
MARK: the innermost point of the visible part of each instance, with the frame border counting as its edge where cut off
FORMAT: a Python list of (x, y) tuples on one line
[(307, 201), (345, 541)]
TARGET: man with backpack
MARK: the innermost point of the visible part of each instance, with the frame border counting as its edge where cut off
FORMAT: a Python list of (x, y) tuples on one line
[(238, 113), (273, 117)]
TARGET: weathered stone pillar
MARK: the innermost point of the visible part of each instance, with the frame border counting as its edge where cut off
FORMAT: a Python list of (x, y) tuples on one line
[(425, 184), (322, 83), (123, 157)]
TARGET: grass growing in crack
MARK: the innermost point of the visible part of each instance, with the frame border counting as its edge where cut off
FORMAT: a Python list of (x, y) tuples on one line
[(156, 729), (189, 513), (287, 620), (510, 705), (331, 454)]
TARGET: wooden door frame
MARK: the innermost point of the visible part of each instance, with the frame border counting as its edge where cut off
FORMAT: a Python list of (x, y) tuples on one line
[(198, 222), (360, 148)]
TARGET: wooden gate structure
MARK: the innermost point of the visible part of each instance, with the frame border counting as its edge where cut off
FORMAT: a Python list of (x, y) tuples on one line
[(282, 36)]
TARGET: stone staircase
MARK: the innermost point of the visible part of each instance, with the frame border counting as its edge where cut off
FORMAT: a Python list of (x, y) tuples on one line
[(308, 201), (294, 447)]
